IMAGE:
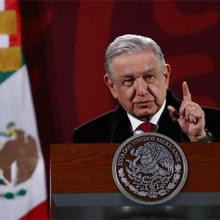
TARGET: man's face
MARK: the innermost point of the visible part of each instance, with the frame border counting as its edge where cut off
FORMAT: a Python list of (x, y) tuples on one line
[(139, 83)]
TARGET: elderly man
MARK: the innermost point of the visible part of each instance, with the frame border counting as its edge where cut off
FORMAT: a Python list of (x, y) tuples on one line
[(138, 77)]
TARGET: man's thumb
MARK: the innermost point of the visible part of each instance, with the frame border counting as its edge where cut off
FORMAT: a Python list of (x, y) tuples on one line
[(173, 113)]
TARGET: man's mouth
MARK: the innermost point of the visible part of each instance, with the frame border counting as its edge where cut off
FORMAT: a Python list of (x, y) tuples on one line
[(145, 104)]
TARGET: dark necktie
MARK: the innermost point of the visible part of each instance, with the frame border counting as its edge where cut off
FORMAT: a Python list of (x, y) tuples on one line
[(145, 126)]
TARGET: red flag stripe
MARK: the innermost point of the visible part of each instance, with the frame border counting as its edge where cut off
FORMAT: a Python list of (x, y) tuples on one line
[(40, 212)]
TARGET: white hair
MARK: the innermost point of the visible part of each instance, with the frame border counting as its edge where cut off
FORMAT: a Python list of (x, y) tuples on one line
[(129, 44)]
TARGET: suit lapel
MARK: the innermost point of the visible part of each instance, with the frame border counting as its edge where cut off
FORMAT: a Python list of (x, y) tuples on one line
[(121, 127)]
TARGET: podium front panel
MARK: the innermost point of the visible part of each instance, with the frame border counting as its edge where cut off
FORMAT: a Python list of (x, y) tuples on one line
[(82, 186)]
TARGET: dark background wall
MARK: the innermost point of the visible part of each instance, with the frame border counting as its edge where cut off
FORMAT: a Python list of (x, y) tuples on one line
[(64, 45)]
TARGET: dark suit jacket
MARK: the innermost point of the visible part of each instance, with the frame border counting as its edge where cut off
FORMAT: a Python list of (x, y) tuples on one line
[(115, 127)]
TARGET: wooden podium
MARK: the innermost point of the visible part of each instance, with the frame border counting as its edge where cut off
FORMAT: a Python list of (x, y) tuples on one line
[(82, 186)]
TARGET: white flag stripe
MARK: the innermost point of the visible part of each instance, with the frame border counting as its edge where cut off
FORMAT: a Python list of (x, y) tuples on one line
[(2, 5), (4, 40), (17, 107)]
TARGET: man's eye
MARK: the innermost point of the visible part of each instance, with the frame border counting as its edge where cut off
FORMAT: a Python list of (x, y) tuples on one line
[(149, 78), (128, 82)]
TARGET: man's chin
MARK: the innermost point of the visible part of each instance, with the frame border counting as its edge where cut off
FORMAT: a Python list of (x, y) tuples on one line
[(143, 115)]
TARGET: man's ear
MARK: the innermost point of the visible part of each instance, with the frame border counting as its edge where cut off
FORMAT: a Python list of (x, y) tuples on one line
[(109, 83), (167, 72)]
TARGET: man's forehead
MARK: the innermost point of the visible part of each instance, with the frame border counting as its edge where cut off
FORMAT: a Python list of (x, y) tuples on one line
[(132, 56), (142, 61)]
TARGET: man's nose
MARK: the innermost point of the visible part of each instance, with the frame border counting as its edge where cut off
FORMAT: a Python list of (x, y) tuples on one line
[(141, 87)]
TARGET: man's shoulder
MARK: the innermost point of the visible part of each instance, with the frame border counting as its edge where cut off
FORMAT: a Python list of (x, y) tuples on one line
[(97, 130), (113, 126), (212, 122), (103, 119), (211, 109), (211, 112)]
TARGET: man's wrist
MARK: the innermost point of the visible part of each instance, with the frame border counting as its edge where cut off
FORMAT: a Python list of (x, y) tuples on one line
[(207, 138)]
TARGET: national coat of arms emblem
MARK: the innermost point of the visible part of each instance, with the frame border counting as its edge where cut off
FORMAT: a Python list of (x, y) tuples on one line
[(149, 168)]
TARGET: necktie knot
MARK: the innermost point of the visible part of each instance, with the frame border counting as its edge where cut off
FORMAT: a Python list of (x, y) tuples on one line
[(145, 126)]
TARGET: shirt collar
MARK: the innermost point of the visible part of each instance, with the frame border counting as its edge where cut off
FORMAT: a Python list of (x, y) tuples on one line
[(154, 120)]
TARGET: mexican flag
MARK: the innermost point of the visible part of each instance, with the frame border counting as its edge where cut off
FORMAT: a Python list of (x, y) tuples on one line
[(22, 175)]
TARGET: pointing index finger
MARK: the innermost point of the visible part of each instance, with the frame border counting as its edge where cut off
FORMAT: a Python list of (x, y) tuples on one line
[(186, 92)]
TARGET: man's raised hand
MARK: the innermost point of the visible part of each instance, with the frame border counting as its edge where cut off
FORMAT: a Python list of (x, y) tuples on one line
[(190, 116)]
